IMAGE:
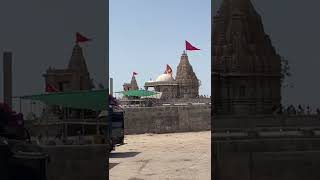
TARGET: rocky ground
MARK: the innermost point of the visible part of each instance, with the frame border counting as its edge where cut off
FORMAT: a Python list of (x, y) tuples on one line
[(178, 156)]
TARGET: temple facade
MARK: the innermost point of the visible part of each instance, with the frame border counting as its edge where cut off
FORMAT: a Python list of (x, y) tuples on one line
[(185, 85), (133, 85), (74, 77), (248, 140), (246, 69)]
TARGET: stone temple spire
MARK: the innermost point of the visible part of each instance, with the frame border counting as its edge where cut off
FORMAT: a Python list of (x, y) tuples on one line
[(246, 68), (75, 77), (237, 17), (187, 79), (134, 84), (77, 61)]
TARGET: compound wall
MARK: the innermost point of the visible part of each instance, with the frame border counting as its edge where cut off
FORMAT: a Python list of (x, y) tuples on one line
[(77, 162), (276, 159), (168, 119)]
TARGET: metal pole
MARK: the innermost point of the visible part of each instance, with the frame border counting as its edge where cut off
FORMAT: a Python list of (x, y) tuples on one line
[(7, 78), (97, 123), (47, 121), (20, 108), (111, 86), (65, 125), (30, 106), (82, 115), (250, 166)]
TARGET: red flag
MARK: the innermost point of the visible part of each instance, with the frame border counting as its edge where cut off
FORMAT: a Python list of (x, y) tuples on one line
[(134, 73), (189, 47), (50, 88), (80, 38), (168, 70), (5, 107)]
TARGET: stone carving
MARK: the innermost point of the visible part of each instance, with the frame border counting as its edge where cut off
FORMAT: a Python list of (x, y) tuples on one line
[(185, 85), (187, 79), (75, 77), (133, 85), (246, 68)]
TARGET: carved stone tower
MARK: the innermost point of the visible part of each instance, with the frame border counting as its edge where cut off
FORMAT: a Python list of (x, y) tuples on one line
[(246, 68), (133, 85), (75, 77), (187, 79)]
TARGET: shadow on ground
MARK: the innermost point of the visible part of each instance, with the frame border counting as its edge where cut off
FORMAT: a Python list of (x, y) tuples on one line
[(111, 165), (123, 154)]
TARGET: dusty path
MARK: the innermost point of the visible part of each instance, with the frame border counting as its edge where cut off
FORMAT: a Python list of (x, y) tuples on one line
[(178, 156)]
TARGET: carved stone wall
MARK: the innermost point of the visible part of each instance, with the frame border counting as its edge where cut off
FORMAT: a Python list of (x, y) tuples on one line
[(75, 77), (246, 68), (133, 85), (187, 79)]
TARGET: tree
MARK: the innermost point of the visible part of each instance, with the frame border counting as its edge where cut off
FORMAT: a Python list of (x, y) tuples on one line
[(285, 71)]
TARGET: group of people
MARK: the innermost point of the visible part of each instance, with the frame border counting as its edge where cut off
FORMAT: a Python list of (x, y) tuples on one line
[(203, 96), (291, 110)]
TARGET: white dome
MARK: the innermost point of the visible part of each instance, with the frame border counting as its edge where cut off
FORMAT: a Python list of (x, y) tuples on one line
[(165, 77)]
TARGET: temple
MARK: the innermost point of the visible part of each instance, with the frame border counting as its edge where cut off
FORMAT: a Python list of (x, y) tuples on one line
[(252, 136), (185, 85), (133, 85), (246, 68), (74, 77)]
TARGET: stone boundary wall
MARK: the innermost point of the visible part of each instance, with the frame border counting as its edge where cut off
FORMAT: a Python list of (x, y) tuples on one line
[(276, 159), (183, 100), (77, 162), (167, 119), (230, 122)]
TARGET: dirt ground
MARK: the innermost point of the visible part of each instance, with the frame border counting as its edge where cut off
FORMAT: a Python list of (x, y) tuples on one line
[(177, 156)]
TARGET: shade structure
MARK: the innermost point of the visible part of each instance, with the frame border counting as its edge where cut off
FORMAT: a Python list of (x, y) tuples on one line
[(94, 100), (139, 93)]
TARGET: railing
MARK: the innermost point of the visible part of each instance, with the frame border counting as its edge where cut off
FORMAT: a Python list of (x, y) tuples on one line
[(174, 102), (165, 104), (283, 132), (268, 126)]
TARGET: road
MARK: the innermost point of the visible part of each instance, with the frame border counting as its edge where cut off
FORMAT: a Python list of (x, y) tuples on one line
[(177, 156)]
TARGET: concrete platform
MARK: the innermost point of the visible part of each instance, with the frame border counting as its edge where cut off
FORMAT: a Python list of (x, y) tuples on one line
[(77, 162), (163, 156)]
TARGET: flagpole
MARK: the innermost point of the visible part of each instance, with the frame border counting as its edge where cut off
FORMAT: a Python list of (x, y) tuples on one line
[(185, 47)]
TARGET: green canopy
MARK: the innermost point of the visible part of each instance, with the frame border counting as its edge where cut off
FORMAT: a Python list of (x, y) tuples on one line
[(139, 93), (94, 100)]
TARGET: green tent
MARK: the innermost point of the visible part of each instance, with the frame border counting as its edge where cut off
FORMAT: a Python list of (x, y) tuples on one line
[(139, 93), (94, 100)]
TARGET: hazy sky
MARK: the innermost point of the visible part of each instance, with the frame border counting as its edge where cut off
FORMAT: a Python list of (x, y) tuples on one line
[(145, 35), (294, 30), (41, 34)]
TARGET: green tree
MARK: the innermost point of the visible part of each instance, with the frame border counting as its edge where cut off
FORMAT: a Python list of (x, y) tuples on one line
[(285, 71)]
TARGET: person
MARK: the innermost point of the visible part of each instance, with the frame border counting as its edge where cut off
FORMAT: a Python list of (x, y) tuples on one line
[(308, 110), (39, 139), (280, 109), (288, 110), (301, 111), (58, 140), (80, 137), (274, 108), (294, 110), (4, 115)]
